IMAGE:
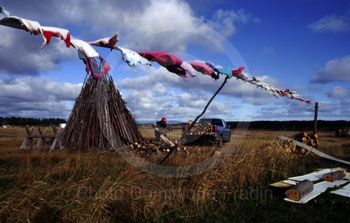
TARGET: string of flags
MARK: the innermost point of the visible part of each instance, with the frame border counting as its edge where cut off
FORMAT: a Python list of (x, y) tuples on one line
[(98, 67)]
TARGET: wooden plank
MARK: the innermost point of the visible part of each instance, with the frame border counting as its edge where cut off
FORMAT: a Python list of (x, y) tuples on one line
[(60, 146), (56, 142), (345, 191), (53, 146), (41, 139), (29, 132), (166, 140), (26, 139), (39, 136), (282, 184), (315, 151), (23, 146)]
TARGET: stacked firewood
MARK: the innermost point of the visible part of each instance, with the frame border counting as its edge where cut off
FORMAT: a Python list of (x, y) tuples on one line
[(308, 139), (290, 146), (198, 129)]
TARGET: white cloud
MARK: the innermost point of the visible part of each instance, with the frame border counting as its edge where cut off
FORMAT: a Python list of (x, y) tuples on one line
[(37, 97), (21, 54), (330, 23), (167, 25), (147, 105), (294, 110), (339, 92), (156, 95), (224, 21), (337, 69), (182, 100), (199, 84)]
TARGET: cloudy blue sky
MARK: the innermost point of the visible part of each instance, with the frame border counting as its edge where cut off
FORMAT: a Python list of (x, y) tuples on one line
[(302, 45)]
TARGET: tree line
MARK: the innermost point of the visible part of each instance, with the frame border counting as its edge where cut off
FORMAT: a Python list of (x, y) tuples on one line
[(20, 121), (291, 125), (268, 125)]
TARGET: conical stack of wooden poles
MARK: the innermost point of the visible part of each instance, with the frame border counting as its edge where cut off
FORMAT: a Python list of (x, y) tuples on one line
[(100, 119)]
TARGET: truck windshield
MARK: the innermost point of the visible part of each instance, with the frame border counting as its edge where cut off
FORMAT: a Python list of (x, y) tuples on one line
[(217, 122)]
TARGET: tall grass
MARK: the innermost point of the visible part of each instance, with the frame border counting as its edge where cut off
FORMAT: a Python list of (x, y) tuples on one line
[(37, 186)]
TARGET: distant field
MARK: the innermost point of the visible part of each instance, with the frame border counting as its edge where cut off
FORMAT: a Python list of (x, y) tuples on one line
[(68, 186)]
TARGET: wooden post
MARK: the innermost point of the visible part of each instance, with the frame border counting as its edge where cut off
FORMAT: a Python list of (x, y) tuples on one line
[(315, 118), (206, 107), (42, 138), (26, 139), (196, 119)]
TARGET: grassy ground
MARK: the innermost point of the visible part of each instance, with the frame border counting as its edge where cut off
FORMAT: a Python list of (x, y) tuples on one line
[(64, 186)]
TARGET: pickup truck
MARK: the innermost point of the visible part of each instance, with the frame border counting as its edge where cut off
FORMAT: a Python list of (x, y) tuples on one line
[(211, 130)]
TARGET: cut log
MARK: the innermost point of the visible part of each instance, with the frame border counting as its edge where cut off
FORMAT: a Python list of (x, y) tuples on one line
[(330, 177), (300, 190)]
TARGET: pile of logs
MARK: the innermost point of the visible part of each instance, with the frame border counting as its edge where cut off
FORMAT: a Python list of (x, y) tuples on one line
[(198, 129), (152, 145), (156, 146), (307, 139), (100, 119), (290, 147), (342, 132)]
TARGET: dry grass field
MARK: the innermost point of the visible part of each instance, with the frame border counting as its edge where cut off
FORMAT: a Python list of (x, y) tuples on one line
[(69, 186)]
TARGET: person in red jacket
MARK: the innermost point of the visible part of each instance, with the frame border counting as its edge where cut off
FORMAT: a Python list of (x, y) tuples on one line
[(160, 127)]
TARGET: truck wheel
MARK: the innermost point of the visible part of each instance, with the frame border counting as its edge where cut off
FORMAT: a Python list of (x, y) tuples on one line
[(220, 142), (229, 138)]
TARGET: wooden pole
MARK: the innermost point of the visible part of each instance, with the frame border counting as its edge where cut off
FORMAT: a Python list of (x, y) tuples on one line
[(315, 118), (211, 99), (200, 115)]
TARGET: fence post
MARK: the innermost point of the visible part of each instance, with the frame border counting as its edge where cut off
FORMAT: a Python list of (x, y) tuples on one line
[(315, 118)]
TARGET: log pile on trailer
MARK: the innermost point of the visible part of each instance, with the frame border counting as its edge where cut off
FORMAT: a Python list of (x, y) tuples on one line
[(198, 129)]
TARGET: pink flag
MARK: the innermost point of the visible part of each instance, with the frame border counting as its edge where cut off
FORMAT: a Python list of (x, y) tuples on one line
[(201, 67)]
